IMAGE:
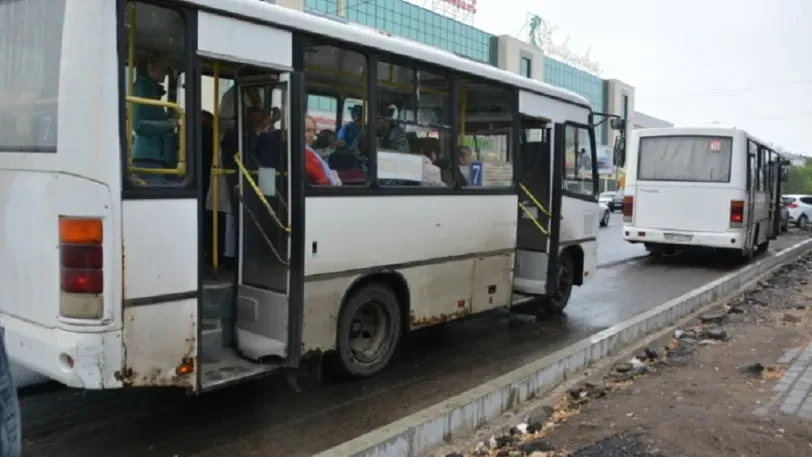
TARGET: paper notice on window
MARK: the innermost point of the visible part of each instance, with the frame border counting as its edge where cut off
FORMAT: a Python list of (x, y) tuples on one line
[(497, 174), (396, 165)]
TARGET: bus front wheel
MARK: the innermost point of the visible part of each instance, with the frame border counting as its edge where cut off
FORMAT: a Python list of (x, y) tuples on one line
[(566, 279), (369, 329)]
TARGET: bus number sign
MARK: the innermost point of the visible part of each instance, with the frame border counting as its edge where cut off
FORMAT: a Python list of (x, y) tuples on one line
[(715, 146), (475, 173)]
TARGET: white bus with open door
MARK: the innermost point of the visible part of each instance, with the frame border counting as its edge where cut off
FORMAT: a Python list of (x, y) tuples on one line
[(134, 134)]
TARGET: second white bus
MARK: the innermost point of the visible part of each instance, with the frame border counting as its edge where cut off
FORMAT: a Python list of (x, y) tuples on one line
[(701, 187)]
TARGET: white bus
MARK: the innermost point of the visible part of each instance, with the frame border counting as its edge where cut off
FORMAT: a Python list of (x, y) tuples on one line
[(113, 279), (701, 187)]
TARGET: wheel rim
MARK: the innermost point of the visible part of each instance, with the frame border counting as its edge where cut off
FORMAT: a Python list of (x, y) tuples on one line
[(368, 331)]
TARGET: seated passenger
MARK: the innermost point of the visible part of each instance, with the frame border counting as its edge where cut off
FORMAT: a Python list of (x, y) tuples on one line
[(154, 129), (316, 168), (348, 134), (432, 177), (464, 163)]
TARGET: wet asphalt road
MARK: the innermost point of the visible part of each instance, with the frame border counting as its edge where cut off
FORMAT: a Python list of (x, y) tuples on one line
[(611, 247), (266, 418)]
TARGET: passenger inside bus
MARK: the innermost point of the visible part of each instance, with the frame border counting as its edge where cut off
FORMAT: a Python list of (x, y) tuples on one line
[(154, 129), (348, 134), (316, 168), (464, 161), (432, 176)]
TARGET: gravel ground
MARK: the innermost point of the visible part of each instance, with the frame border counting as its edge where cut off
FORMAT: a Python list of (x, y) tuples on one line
[(693, 394)]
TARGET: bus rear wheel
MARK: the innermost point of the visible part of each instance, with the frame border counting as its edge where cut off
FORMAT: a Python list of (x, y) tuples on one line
[(369, 329), (566, 279)]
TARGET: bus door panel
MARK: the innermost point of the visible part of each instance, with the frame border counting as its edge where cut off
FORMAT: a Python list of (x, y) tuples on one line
[(261, 190), (575, 212), (532, 242), (534, 194)]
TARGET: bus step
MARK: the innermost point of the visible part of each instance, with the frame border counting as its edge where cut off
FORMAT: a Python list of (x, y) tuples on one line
[(217, 300), (211, 339)]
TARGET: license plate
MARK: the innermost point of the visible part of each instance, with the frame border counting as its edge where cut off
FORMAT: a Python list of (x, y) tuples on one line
[(677, 237)]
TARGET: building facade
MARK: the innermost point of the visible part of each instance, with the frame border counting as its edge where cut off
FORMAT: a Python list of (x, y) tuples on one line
[(407, 20), (644, 121)]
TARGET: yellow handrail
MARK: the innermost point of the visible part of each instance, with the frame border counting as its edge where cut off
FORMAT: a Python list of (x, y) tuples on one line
[(180, 170), (259, 193), (533, 199), (538, 205), (534, 219)]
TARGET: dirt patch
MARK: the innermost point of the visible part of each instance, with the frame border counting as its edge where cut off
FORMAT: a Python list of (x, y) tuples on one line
[(691, 395)]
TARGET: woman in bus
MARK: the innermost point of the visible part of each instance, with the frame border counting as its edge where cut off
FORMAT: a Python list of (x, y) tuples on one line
[(316, 168), (154, 142)]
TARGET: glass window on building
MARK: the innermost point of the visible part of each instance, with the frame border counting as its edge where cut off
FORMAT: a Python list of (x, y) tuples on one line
[(404, 19), (582, 83), (525, 66)]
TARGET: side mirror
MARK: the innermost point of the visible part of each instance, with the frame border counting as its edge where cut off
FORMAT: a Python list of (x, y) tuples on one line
[(617, 124), (619, 152)]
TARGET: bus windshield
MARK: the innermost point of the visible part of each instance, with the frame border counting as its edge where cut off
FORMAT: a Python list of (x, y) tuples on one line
[(684, 158)]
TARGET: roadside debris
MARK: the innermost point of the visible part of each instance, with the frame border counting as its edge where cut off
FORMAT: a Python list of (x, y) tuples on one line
[(775, 301)]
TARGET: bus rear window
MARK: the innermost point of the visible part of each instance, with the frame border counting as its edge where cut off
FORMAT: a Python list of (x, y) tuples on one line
[(30, 52), (684, 158)]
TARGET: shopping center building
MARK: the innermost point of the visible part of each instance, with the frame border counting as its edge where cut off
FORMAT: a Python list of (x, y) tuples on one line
[(407, 20)]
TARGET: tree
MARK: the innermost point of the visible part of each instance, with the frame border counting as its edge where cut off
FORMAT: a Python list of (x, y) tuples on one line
[(800, 180)]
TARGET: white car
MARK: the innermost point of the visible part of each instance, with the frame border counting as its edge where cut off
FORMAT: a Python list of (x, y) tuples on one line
[(606, 198), (606, 213), (800, 208)]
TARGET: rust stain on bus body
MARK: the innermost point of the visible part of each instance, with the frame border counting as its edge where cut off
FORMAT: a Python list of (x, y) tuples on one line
[(426, 321), (162, 375)]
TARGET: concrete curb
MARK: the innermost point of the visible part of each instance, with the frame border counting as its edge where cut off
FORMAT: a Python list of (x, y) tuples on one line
[(417, 434)]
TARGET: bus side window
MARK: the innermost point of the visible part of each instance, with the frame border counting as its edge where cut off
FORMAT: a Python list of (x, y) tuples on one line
[(413, 119), (336, 80), (752, 157), (762, 163), (156, 119), (580, 155), (486, 125)]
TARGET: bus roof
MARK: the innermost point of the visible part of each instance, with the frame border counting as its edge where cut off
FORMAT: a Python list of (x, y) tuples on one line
[(313, 24), (719, 131)]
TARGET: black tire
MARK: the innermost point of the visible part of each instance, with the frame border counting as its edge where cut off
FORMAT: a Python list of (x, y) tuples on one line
[(764, 246), (566, 279), (353, 330), (802, 221)]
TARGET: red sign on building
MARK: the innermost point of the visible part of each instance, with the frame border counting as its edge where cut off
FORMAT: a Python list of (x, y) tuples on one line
[(465, 5)]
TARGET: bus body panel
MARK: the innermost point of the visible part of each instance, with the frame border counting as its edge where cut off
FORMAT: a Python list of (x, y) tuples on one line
[(579, 229), (160, 290), (689, 207), (160, 245), (374, 232), (38, 337), (446, 249)]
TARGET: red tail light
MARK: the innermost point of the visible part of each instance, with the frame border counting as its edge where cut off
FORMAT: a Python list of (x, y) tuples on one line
[(628, 208), (793, 205), (736, 213), (81, 258)]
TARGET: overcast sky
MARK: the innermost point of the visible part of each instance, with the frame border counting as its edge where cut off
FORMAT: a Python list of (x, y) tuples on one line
[(692, 62)]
